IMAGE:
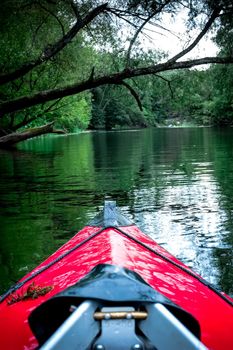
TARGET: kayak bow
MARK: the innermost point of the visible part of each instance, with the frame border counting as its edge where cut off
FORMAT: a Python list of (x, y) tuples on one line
[(114, 288)]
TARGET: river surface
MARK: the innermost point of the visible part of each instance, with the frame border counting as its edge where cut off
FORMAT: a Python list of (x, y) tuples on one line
[(175, 184)]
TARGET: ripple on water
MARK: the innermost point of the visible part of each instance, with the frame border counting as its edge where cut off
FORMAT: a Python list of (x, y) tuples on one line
[(176, 184)]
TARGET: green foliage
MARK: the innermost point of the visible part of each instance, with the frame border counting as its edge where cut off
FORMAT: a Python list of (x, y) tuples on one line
[(70, 114), (100, 49), (222, 106), (202, 97), (75, 114), (70, 64), (114, 107)]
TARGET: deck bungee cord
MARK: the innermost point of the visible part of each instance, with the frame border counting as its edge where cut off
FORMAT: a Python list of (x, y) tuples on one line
[(18, 285)]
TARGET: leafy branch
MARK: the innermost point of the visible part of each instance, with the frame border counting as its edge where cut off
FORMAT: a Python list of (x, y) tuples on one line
[(114, 79), (51, 50)]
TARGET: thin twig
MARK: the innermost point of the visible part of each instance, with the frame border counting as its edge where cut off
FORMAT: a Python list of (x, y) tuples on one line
[(167, 81), (53, 15), (140, 29), (134, 94), (212, 18)]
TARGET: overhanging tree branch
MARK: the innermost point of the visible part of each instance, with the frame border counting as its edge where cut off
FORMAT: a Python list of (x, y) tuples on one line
[(209, 23), (11, 139), (138, 31), (116, 78), (167, 81), (51, 50), (134, 94)]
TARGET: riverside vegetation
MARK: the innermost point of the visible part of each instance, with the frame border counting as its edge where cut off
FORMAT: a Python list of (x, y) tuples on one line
[(83, 64)]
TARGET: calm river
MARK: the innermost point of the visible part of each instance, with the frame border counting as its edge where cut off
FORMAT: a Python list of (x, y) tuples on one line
[(176, 184)]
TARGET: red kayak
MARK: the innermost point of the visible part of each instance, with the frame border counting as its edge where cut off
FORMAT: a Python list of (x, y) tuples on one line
[(113, 287)]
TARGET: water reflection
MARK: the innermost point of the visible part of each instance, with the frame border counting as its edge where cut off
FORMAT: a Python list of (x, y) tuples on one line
[(187, 221), (176, 184)]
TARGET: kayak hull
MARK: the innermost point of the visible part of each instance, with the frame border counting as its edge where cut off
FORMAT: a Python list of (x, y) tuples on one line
[(156, 266)]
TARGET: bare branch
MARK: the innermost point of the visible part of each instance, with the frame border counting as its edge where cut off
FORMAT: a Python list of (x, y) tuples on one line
[(211, 20), (91, 77), (167, 81), (75, 10), (53, 15), (147, 20), (134, 39), (134, 94), (38, 28), (11, 139), (115, 13)]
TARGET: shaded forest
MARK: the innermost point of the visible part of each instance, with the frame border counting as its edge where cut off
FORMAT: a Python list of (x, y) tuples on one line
[(84, 65)]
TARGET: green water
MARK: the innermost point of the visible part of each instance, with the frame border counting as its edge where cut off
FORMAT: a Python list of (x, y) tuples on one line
[(176, 184)]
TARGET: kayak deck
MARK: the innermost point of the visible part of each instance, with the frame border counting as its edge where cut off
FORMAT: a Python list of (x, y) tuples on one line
[(111, 246)]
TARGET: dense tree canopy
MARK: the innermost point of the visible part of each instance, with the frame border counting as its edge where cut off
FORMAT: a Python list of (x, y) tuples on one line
[(51, 49)]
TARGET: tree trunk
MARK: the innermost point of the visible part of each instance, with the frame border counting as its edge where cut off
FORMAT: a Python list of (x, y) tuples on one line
[(11, 140)]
